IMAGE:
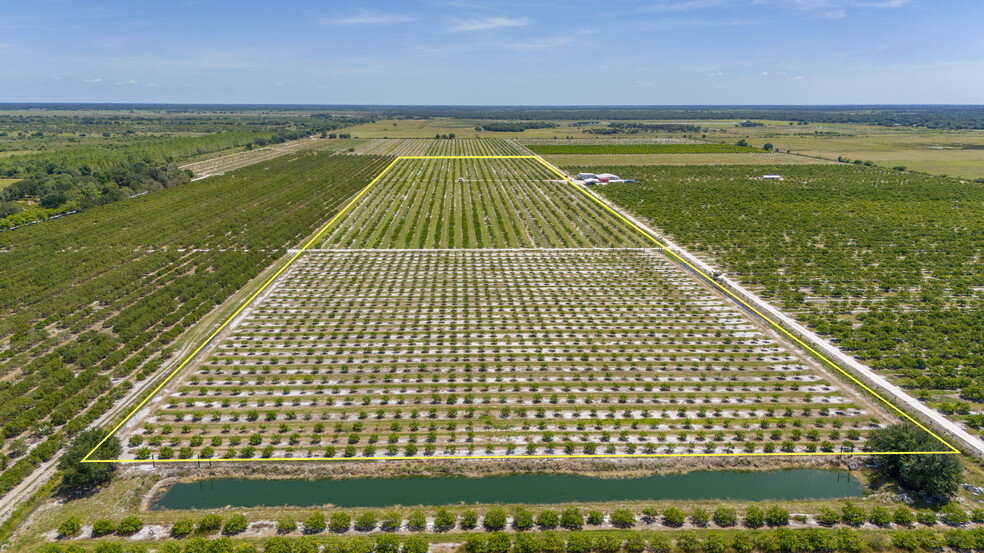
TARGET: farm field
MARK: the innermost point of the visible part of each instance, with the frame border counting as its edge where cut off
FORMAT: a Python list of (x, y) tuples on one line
[(598, 162), (950, 152), (491, 336), (500, 203), (615, 149), (157, 264), (495, 352), (229, 162), (885, 263), (441, 147)]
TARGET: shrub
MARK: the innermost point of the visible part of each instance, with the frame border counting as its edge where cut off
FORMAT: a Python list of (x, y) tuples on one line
[(548, 519), (903, 516), (953, 515), (926, 517), (366, 522), (607, 544), (495, 519), (196, 545), (182, 528), (236, 524), (906, 540), (357, 544), (469, 520), (240, 548), (650, 514), (688, 542), (725, 517), (827, 516), (445, 520), (852, 515), (129, 526), (674, 517), (522, 519), (741, 543), (977, 515), (754, 517), (276, 544), (476, 543), (225, 545), (286, 525), (714, 543), (417, 521), (315, 524), (595, 517), (880, 516), (208, 524), (387, 543), (635, 543), (579, 543), (527, 543), (551, 543), (776, 516), (499, 543), (848, 541), (103, 527), (109, 547), (339, 522), (69, 527), (415, 544), (51, 548), (391, 521), (700, 517), (959, 540), (572, 519), (659, 543), (623, 518)]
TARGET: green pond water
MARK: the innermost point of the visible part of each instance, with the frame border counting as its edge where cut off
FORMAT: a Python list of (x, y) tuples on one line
[(516, 488)]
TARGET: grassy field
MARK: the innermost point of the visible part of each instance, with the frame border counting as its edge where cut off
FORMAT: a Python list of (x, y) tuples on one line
[(599, 163), (956, 153), (7, 182), (625, 149)]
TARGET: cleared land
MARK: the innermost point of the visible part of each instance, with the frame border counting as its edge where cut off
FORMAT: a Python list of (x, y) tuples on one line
[(486, 346)]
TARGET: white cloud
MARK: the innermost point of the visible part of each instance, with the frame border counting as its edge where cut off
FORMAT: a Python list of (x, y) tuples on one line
[(91, 81), (152, 84), (538, 44), (370, 17), (468, 25)]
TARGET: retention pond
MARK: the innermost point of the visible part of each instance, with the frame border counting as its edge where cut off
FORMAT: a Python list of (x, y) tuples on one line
[(787, 485)]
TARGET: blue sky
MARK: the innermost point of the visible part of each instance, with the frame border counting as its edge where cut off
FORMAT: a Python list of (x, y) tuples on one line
[(494, 52)]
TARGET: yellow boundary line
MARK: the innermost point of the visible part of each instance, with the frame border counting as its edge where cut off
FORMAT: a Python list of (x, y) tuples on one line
[(607, 208)]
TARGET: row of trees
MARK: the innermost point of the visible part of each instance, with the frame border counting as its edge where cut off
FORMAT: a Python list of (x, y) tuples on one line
[(782, 540)]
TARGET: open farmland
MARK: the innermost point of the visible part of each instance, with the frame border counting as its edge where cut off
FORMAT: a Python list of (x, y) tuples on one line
[(615, 149), (885, 263), (93, 304), (506, 343), (499, 203), (599, 162), (441, 147)]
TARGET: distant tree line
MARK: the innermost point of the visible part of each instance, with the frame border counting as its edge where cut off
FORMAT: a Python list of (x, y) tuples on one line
[(514, 126), (635, 128)]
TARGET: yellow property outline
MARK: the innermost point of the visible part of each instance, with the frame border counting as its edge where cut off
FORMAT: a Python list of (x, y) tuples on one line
[(326, 226)]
